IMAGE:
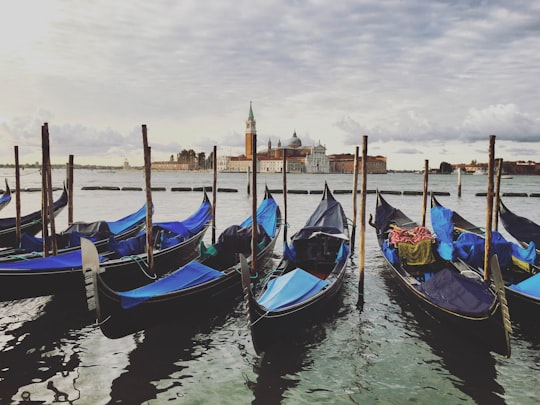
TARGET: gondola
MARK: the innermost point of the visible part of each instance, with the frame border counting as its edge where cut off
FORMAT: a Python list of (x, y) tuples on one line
[(175, 244), (202, 287), (450, 292), (306, 280), (5, 198), (30, 224), (522, 229), (99, 232), (519, 265)]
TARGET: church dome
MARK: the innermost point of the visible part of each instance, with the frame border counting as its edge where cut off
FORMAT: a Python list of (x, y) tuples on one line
[(294, 142)]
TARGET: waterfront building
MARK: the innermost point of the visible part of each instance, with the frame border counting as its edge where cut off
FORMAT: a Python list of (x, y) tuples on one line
[(300, 158)]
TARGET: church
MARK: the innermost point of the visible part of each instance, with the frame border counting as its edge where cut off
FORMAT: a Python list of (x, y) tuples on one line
[(299, 159)]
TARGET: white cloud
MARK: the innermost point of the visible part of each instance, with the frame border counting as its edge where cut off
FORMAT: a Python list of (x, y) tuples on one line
[(420, 72)]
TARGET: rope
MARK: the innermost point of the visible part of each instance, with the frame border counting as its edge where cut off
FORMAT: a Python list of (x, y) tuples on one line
[(103, 321), (141, 263), (18, 257), (261, 317)]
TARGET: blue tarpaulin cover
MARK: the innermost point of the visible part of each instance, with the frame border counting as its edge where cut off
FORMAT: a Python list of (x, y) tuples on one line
[(93, 231), (290, 289), (5, 199), (127, 222), (530, 286), (458, 293), (192, 274), (441, 220), (174, 233), (470, 248), (343, 252), (266, 216), (64, 261), (390, 252)]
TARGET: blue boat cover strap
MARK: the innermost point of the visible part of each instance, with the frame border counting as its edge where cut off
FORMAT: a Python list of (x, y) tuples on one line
[(192, 274), (455, 292), (530, 286), (290, 289)]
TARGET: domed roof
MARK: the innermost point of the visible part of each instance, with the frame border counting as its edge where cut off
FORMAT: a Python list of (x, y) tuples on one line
[(294, 142)]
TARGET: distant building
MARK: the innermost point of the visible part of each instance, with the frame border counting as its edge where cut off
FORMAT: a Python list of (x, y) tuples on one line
[(344, 163), (300, 158), (519, 167)]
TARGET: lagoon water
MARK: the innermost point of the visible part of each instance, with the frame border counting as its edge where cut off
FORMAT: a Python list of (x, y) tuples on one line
[(50, 351)]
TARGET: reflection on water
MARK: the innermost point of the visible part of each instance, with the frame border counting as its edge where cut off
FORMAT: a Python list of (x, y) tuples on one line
[(473, 368), (50, 351), (162, 358), (33, 356)]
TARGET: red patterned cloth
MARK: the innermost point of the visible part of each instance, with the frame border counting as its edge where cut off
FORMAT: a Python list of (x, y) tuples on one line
[(415, 235)]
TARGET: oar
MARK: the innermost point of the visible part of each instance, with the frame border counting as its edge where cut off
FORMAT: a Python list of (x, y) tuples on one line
[(499, 289)]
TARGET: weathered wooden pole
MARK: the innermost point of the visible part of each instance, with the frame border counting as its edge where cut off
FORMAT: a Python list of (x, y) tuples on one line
[(489, 208), (214, 195), (362, 242), (44, 196), (254, 207), (17, 198), (459, 182), (70, 189), (425, 193), (148, 183), (285, 195), (354, 197), (497, 195), (50, 202), (248, 188)]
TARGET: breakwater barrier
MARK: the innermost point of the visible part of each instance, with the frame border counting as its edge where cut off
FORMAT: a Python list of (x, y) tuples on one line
[(273, 191), (276, 191)]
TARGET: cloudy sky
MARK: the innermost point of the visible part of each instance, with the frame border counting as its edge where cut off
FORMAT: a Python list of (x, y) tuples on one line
[(423, 79)]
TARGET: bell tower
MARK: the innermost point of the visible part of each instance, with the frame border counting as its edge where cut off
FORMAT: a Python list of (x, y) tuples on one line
[(250, 131)]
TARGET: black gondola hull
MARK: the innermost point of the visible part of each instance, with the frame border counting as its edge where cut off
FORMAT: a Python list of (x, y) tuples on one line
[(30, 224), (18, 284), (486, 330), (267, 328), (188, 305)]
